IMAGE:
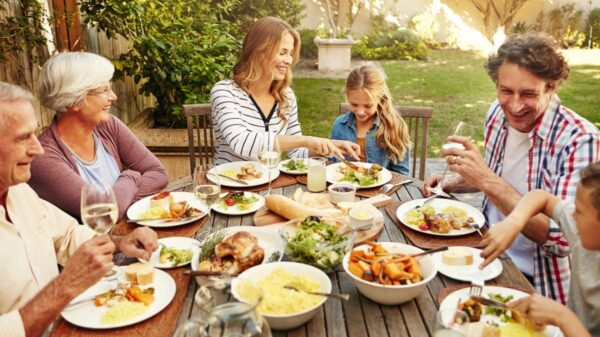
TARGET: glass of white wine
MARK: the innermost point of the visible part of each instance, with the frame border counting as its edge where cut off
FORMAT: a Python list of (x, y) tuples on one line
[(207, 185), (99, 208), (269, 155)]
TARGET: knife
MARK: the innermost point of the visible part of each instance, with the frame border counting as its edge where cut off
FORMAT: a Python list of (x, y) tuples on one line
[(490, 303), (167, 219), (236, 180)]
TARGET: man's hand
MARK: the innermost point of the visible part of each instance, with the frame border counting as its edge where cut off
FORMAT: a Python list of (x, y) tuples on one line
[(140, 243), (89, 264), (498, 239), (467, 162), (430, 183)]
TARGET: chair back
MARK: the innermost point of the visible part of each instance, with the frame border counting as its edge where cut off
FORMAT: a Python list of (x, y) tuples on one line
[(200, 130), (417, 119)]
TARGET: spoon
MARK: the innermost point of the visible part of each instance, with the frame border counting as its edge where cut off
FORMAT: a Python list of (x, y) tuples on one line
[(389, 186), (340, 296)]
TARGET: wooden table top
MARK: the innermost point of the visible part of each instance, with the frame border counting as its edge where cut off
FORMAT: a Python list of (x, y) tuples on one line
[(357, 317)]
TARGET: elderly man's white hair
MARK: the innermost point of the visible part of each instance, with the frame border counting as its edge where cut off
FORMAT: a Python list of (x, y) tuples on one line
[(66, 78), (11, 93)]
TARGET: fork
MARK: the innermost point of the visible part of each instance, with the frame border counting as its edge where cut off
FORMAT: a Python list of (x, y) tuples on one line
[(113, 286), (476, 287)]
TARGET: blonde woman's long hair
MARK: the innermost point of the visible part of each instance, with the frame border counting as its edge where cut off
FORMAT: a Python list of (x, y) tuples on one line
[(393, 134), (261, 45)]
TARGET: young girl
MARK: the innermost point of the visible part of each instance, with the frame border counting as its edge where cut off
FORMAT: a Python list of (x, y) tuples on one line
[(373, 123), (258, 106)]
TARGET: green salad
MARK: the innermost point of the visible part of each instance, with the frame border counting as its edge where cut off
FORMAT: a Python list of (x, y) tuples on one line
[(362, 176), (296, 165), (238, 200), (174, 256), (315, 243), (504, 316)]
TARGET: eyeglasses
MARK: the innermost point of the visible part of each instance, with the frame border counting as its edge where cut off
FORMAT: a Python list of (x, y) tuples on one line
[(104, 93)]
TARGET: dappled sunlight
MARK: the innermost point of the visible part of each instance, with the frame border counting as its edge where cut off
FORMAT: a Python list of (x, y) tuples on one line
[(587, 71)]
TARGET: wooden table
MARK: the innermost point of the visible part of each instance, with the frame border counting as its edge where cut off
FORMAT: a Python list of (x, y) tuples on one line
[(359, 316)]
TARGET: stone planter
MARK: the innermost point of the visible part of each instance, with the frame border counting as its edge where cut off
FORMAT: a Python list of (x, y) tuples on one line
[(334, 54)]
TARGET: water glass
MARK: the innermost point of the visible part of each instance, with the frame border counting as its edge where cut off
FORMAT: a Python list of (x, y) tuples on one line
[(316, 176)]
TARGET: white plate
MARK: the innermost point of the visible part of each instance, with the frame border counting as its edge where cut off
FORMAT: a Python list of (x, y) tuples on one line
[(470, 272), (267, 240), (176, 242), (334, 175), (449, 304), (235, 166), (438, 204), (87, 315), (284, 169), (141, 206), (233, 210)]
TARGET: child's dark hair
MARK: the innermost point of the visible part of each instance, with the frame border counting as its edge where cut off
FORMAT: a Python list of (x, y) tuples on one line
[(590, 179)]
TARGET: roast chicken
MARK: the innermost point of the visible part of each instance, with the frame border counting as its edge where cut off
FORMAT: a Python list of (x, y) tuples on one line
[(235, 254)]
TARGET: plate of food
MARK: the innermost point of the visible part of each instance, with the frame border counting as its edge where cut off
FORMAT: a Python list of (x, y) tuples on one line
[(174, 252), (295, 166), (441, 217), (235, 249), (239, 203), (366, 176), (498, 321), (166, 209), (242, 174), (462, 263), (139, 294)]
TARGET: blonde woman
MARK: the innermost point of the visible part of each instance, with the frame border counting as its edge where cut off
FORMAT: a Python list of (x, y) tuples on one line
[(258, 105), (373, 123)]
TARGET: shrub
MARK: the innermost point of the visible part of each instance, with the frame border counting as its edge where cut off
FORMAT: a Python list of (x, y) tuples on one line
[(594, 24), (398, 44), (308, 48), (565, 24)]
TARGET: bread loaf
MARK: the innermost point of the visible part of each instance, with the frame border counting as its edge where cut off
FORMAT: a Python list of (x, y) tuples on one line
[(291, 209), (140, 273), (457, 256)]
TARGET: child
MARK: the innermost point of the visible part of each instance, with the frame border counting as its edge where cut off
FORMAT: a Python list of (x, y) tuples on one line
[(580, 223), (373, 123)]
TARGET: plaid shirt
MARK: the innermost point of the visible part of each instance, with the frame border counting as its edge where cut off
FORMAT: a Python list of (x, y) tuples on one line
[(561, 143)]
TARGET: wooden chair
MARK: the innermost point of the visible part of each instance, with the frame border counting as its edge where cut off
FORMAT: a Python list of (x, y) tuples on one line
[(413, 116), (198, 117)]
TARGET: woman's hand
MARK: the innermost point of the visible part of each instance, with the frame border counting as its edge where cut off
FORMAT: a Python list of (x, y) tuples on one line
[(325, 147), (349, 149)]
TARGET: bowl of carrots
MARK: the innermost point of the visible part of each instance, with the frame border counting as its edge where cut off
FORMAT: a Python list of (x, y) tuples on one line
[(387, 273)]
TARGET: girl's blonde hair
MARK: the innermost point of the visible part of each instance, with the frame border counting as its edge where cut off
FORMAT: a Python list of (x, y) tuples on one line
[(261, 45), (393, 134)]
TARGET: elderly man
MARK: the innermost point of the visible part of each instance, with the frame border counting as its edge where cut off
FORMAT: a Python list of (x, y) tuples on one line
[(35, 235), (532, 142)]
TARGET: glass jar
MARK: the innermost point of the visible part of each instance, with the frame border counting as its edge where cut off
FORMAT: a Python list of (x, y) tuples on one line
[(317, 181)]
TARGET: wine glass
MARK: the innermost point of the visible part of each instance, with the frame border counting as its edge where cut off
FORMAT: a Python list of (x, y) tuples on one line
[(207, 185), (98, 208), (269, 155), (449, 322), (99, 211), (456, 131)]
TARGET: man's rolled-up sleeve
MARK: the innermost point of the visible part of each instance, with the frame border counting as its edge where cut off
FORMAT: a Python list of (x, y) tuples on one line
[(11, 324)]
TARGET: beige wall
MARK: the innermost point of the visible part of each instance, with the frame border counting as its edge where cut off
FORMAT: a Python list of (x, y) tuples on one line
[(404, 9)]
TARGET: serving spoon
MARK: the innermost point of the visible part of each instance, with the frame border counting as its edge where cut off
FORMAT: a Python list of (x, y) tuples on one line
[(339, 296)]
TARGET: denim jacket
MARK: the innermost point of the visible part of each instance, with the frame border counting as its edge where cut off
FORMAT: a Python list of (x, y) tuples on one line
[(344, 128)]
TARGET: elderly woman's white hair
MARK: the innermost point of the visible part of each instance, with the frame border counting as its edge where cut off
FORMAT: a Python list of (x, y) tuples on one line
[(66, 78), (11, 93)]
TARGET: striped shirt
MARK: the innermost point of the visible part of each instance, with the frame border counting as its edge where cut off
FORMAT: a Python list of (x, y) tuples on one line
[(562, 143), (240, 126)]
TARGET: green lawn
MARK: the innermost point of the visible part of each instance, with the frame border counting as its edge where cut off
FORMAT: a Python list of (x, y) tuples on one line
[(454, 83)]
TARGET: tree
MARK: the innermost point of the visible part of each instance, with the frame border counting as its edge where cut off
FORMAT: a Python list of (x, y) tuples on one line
[(497, 13), (341, 14)]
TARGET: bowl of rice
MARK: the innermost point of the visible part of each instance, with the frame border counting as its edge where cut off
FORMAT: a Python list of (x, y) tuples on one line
[(283, 308)]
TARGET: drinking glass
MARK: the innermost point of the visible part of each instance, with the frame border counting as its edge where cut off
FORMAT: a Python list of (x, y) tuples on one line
[(269, 156), (316, 176), (449, 322), (207, 185), (458, 130), (98, 208), (99, 212)]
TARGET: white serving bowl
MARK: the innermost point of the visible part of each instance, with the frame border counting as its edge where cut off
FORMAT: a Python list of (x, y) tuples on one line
[(286, 321), (394, 294), (360, 216)]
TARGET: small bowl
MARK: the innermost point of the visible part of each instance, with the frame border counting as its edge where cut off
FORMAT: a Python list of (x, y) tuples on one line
[(342, 192), (324, 255), (360, 217), (394, 294), (286, 321)]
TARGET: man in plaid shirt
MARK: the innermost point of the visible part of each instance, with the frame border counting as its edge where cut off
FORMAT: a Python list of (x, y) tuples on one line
[(531, 142)]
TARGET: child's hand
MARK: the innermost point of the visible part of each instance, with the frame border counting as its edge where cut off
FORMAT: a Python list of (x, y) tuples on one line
[(539, 310), (498, 239)]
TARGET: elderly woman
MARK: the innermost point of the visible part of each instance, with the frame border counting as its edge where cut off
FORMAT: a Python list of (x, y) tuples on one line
[(85, 144), (258, 105)]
